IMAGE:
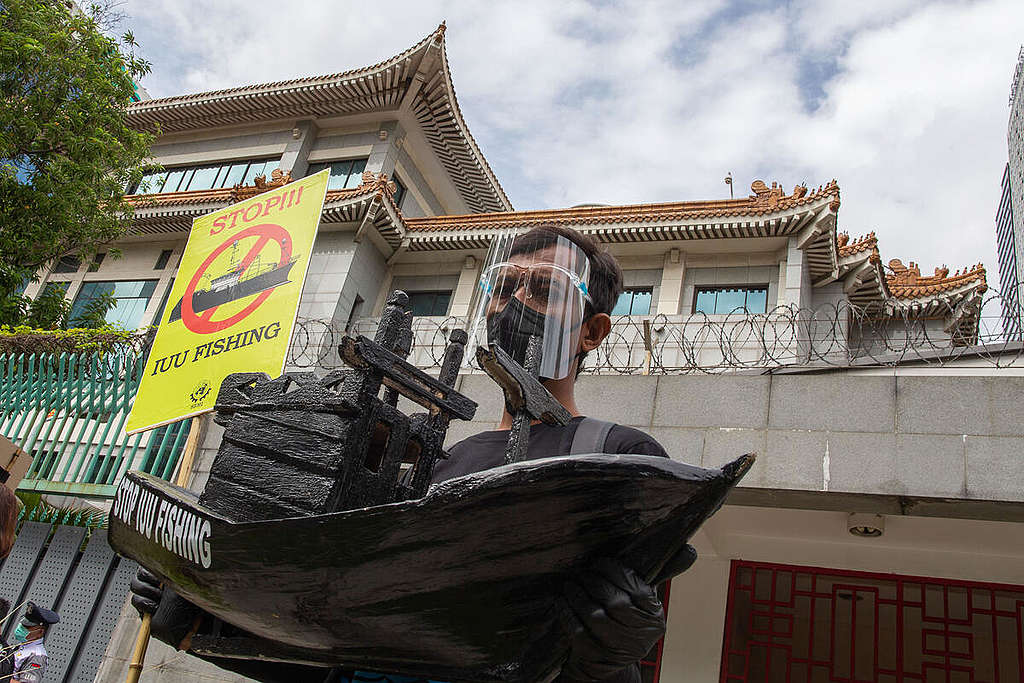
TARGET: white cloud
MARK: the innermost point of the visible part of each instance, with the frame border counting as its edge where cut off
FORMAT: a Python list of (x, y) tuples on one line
[(655, 101)]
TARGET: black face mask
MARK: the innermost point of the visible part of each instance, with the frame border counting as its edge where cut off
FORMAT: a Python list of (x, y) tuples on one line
[(511, 328)]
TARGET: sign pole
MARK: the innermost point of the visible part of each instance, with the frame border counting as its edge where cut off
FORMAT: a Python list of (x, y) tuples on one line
[(142, 638)]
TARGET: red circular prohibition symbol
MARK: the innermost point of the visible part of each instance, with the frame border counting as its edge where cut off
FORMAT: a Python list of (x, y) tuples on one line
[(204, 322)]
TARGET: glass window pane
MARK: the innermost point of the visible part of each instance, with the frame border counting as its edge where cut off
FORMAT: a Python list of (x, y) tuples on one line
[(429, 303), (623, 304), (234, 175), (151, 183), (730, 300), (173, 180), (255, 169), (641, 303), (441, 303), (339, 175), (132, 298), (203, 178), (705, 301), (355, 174), (757, 300), (399, 190)]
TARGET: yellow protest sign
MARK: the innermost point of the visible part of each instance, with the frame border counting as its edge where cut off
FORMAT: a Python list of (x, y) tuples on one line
[(233, 302)]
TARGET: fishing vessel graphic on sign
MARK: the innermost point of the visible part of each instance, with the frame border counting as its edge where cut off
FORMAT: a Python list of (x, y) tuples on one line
[(237, 283)]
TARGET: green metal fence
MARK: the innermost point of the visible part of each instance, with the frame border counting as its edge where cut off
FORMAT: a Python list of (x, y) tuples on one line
[(68, 412)]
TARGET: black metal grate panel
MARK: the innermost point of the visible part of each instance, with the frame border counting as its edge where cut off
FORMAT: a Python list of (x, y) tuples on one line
[(77, 605), (91, 653)]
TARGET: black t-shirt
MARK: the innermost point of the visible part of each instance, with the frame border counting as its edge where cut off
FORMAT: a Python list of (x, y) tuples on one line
[(487, 449)]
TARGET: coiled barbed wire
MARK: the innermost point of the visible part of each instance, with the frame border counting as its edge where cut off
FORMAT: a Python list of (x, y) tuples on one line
[(832, 335), (985, 330)]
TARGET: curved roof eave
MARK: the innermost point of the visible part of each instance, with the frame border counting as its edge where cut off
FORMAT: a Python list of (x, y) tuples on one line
[(383, 86)]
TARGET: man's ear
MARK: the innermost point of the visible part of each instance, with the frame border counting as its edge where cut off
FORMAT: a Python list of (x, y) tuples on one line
[(594, 330)]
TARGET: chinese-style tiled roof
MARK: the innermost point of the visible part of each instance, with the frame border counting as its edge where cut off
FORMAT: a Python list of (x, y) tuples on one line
[(417, 80), (906, 282), (765, 200), (867, 242), (809, 216)]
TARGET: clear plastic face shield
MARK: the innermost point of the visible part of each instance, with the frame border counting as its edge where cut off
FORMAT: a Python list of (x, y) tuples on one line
[(533, 286)]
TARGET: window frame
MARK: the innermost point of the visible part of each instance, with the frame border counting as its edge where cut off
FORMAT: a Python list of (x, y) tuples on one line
[(72, 317), (639, 289), (746, 287), (188, 173), (353, 179), (448, 306)]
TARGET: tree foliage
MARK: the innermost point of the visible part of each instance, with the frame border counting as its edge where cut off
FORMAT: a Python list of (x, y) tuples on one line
[(66, 151)]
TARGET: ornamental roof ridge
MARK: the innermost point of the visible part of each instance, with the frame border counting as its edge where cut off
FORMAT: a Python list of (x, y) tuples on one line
[(765, 200), (906, 281), (277, 85), (461, 122), (863, 243)]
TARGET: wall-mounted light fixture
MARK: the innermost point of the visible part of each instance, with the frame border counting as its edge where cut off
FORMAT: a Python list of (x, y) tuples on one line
[(382, 134), (296, 133), (865, 525)]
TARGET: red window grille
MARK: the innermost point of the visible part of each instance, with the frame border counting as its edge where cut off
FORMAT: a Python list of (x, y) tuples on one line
[(815, 625), (650, 665)]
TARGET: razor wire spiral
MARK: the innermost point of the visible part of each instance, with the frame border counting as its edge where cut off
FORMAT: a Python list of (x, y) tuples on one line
[(832, 335)]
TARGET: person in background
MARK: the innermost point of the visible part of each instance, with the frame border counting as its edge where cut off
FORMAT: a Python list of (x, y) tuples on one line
[(29, 652), (9, 506)]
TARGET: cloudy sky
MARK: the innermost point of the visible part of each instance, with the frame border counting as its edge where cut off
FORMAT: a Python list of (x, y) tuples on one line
[(903, 102)]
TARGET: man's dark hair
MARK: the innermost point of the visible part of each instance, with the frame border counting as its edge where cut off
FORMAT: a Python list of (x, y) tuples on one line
[(605, 282)]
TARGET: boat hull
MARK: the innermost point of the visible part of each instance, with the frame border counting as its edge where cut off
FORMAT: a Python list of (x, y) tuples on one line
[(203, 300), (461, 585)]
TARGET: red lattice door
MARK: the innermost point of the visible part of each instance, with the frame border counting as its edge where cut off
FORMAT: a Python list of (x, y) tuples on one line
[(811, 625)]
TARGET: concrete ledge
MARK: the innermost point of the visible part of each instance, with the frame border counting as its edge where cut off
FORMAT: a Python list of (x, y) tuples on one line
[(917, 506)]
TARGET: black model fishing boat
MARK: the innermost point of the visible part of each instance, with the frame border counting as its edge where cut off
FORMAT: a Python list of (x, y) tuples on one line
[(319, 536), (237, 283)]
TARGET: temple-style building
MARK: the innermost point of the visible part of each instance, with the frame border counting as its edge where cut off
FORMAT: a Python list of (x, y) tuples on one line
[(879, 535)]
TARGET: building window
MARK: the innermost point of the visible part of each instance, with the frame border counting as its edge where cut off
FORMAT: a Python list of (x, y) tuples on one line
[(634, 301), (345, 175), (399, 192), (161, 261), (68, 264), (725, 300), (207, 177), (791, 623), (430, 303), (131, 299)]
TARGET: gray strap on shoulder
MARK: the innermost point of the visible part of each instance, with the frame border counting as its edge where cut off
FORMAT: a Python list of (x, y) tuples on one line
[(590, 436)]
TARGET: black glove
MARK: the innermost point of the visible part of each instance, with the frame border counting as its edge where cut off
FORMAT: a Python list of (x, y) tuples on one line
[(615, 619), (174, 618), (146, 591), (676, 565)]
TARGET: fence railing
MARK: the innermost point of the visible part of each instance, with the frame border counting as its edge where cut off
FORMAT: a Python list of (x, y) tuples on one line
[(837, 335), (68, 410)]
